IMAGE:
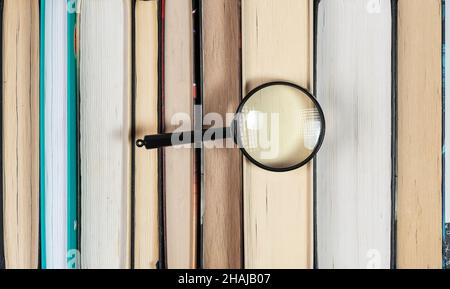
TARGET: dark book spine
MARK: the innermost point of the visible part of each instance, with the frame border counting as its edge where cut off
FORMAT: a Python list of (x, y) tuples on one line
[(315, 252), (394, 140), (198, 125), (161, 195)]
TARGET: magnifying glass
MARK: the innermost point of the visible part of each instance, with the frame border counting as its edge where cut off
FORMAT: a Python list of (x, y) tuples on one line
[(279, 126)]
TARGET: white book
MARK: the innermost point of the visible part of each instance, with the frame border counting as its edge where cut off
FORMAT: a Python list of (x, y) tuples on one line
[(104, 133), (354, 80), (55, 136)]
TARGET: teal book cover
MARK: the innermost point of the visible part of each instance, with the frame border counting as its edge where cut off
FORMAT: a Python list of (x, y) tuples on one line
[(72, 144), (41, 135), (58, 139)]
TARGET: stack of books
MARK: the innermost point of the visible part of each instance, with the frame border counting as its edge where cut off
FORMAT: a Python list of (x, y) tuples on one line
[(83, 80)]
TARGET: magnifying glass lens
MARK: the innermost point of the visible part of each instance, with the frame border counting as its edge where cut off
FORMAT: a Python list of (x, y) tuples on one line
[(279, 127)]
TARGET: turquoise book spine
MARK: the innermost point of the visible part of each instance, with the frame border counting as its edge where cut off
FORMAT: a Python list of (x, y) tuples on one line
[(72, 149), (72, 143), (42, 134)]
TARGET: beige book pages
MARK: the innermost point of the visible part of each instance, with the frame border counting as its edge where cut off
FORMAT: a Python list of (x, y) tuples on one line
[(419, 208), (278, 207), (146, 166), (223, 166), (21, 132), (105, 143), (179, 174)]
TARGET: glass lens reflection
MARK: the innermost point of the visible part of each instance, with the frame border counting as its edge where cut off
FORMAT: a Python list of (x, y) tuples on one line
[(279, 126)]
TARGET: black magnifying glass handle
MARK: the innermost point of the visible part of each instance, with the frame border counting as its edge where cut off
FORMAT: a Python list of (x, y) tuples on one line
[(182, 138)]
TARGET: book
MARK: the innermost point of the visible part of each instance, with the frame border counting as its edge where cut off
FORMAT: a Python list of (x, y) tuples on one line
[(278, 207), (58, 137), (419, 206), (222, 218), (2, 250), (446, 193), (73, 208), (146, 239), (20, 133), (354, 168), (105, 142), (180, 201)]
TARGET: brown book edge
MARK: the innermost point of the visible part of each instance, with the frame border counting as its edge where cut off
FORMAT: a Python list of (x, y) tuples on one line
[(419, 206), (222, 228)]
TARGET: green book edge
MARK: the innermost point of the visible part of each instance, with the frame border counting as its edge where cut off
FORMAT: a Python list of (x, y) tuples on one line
[(72, 142), (72, 184), (42, 133)]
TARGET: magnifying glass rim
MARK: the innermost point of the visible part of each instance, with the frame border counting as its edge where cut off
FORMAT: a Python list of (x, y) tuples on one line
[(322, 129)]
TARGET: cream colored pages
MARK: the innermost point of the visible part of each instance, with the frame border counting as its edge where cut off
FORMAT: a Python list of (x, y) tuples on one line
[(146, 169), (223, 167), (278, 210), (180, 212), (21, 133), (419, 209), (104, 133), (354, 165)]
